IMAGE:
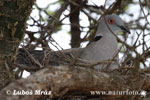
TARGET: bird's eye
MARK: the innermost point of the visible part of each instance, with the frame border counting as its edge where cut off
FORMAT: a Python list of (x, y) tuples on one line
[(111, 21)]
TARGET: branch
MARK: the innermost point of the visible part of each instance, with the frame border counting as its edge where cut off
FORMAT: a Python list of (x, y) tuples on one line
[(63, 79)]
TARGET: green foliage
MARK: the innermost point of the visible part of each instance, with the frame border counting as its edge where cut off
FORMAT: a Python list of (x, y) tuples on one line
[(58, 28), (122, 50), (92, 31), (61, 1), (69, 32), (126, 7), (51, 13), (120, 33)]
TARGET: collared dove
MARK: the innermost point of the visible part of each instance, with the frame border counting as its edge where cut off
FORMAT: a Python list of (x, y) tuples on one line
[(105, 45)]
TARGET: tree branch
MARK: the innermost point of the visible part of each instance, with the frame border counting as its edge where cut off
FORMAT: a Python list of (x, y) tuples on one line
[(64, 79)]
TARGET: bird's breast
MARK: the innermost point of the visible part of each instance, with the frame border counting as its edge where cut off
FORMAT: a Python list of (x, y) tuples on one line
[(103, 49)]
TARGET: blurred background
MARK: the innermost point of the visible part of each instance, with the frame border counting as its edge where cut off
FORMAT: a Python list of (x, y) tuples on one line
[(63, 24)]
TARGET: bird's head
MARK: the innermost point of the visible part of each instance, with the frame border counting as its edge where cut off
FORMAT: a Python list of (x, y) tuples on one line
[(115, 23), (109, 24)]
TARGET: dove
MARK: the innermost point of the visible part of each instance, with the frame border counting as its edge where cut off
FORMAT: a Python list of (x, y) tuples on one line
[(105, 44)]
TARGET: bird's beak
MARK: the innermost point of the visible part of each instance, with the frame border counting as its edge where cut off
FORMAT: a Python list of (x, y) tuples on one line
[(124, 29)]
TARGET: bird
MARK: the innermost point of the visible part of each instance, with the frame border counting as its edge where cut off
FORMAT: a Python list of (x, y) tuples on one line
[(105, 44)]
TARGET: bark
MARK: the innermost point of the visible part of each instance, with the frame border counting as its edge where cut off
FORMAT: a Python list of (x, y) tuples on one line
[(68, 79), (74, 20), (13, 15)]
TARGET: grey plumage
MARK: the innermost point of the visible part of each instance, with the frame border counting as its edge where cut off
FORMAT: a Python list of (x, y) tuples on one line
[(106, 47)]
